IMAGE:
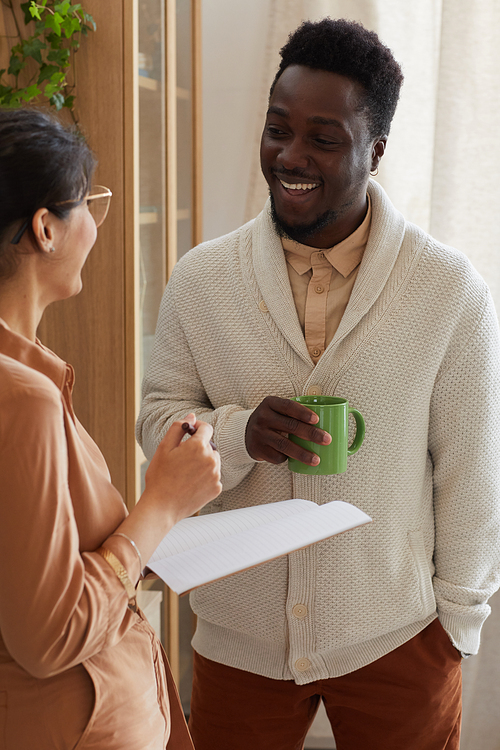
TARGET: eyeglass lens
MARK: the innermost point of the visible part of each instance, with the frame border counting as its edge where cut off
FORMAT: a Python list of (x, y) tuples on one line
[(98, 204)]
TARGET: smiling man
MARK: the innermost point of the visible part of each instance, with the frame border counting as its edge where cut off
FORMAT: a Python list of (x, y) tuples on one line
[(330, 291)]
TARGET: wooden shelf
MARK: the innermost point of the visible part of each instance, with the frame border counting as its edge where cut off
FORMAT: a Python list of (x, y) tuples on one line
[(148, 217), (151, 84)]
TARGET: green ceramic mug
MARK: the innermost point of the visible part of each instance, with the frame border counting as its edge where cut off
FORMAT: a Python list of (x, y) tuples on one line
[(333, 416)]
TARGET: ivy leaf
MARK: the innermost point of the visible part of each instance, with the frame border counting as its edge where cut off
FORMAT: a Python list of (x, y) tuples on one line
[(32, 48), (75, 9), (55, 84), (57, 100), (27, 10), (63, 7), (4, 90), (10, 98), (70, 26), (60, 57), (88, 18), (54, 22), (54, 40), (69, 102), (52, 88), (30, 93), (15, 66), (46, 72)]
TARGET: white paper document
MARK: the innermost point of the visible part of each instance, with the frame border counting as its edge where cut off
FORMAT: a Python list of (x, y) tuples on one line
[(206, 548)]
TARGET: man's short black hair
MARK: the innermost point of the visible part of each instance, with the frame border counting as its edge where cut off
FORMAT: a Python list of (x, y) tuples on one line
[(347, 48)]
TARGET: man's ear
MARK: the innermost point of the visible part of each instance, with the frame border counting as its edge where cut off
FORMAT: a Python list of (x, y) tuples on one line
[(378, 150), (44, 230)]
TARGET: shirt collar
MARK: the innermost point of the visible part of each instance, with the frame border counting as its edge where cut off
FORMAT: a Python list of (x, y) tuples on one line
[(35, 355), (344, 257)]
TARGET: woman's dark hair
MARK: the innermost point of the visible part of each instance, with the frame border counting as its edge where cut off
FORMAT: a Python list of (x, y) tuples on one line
[(347, 48), (43, 163)]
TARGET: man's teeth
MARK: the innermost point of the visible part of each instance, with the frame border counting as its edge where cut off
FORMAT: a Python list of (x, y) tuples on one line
[(309, 186)]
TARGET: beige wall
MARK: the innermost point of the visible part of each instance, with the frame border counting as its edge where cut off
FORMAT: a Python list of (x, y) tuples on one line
[(234, 40)]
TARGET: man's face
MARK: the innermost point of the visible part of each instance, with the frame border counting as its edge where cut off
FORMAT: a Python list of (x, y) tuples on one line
[(316, 136)]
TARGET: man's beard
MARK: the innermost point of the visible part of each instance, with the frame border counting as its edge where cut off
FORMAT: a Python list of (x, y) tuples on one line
[(300, 233)]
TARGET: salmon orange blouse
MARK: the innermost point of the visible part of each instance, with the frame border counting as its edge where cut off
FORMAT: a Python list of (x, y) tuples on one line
[(78, 668)]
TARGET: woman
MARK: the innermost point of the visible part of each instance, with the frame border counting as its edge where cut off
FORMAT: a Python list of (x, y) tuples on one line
[(80, 667)]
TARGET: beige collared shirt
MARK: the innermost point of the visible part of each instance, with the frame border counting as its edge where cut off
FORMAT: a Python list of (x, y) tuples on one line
[(322, 282)]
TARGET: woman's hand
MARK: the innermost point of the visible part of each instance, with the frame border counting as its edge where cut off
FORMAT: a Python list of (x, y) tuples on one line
[(184, 475)]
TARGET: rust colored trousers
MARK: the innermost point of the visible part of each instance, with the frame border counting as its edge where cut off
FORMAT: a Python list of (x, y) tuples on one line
[(409, 699)]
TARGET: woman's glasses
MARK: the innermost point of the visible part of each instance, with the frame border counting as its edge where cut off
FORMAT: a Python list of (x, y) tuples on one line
[(97, 201)]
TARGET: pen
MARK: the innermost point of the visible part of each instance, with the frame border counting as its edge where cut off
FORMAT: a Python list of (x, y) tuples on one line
[(191, 430)]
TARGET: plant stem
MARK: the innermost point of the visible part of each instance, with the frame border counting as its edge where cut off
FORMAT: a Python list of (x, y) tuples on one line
[(11, 6)]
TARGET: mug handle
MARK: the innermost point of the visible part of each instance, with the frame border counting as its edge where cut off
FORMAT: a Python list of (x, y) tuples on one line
[(360, 431)]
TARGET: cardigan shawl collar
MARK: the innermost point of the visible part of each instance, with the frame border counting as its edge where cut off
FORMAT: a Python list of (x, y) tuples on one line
[(384, 243)]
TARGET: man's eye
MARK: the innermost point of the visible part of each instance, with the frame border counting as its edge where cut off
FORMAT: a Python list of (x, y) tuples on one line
[(324, 142), (272, 130)]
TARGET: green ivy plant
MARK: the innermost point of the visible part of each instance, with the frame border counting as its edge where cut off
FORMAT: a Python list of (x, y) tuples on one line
[(58, 28)]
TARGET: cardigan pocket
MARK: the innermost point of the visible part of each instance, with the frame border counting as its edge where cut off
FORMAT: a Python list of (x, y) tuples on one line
[(417, 547)]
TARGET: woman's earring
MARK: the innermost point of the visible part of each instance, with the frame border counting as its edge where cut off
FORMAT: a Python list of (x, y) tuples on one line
[(374, 173), (52, 250)]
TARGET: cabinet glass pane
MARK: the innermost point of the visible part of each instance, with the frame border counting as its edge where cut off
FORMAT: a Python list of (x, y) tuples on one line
[(184, 243), (152, 251), (184, 127)]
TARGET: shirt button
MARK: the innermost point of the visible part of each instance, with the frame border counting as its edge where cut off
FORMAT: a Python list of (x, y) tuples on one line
[(321, 256), (316, 352), (318, 289), (302, 664), (300, 611), (263, 307), (314, 390)]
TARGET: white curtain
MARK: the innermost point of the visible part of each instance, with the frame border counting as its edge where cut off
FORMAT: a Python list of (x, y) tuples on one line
[(442, 170)]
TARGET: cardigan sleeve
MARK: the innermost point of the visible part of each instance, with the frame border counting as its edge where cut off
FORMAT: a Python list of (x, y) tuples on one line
[(172, 388), (58, 607), (464, 443)]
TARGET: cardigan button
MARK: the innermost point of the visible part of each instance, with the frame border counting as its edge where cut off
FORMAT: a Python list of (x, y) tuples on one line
[(300, 611), (263, 307), (302, 664), (314, 390)]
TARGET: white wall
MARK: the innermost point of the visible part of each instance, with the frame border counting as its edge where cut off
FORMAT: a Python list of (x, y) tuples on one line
[(234, 40)]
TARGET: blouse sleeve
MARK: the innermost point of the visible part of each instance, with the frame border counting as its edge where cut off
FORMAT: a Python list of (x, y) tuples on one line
[(57, 607)]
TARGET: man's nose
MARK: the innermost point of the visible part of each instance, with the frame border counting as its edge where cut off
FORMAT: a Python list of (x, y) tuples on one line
[(293, 154)]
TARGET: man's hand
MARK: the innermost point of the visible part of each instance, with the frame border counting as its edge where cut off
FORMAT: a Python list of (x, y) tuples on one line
[(275, 418)]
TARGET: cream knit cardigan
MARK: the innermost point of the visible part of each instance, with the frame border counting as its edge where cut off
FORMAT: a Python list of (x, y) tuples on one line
[(417, 353)]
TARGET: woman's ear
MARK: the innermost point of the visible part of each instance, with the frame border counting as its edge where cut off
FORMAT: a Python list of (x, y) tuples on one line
[(43, 226)]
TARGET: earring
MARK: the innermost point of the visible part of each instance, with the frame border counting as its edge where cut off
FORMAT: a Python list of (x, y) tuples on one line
[(52, 250), (374, 173)]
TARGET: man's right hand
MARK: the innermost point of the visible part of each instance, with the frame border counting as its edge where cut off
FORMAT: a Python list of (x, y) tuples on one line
[(275, 418)]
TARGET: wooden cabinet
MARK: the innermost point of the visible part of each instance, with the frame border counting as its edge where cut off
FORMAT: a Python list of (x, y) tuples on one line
[(138, 103)]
